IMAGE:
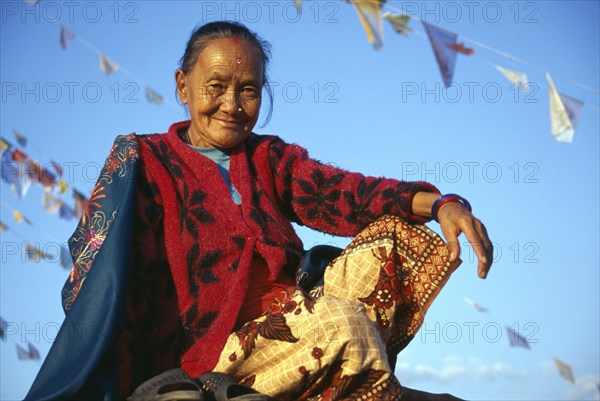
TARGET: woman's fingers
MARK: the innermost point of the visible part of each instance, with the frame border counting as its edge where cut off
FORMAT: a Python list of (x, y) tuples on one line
[(451, 236), (454, 219), (481, 246)]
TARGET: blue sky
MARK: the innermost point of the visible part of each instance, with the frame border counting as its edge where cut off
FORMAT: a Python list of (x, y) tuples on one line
[(382, 113)]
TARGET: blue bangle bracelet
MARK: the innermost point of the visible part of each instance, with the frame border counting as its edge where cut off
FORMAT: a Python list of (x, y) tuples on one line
[(442, 200)]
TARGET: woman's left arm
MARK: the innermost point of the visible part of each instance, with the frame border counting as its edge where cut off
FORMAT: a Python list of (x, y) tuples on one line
[(455, 218)]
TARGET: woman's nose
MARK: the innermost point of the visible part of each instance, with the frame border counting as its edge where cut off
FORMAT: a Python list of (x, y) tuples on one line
[(231, 101)]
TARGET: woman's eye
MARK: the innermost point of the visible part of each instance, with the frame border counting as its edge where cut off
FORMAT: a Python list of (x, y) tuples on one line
[(250, 92)]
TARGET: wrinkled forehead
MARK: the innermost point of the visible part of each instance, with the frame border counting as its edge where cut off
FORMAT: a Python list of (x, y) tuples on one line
[(232, 50)]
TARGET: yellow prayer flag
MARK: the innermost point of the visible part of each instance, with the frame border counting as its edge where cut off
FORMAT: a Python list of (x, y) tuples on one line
[(399, 22), (107, 65), (20, 218), (4, 146), (369, 12), (62, 186)]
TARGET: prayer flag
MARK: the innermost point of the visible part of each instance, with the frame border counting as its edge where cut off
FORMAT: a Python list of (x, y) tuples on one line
[(564, 370), (34, 170), (8, 169), (66, 212), (442, 43), (50, 201), (564, 113), (3, 329), (62, 186), (20, 218), (476, 305), (80, 201), (3, 227), (4, 146), (65, 37), (32, 2), (22, 181), (19, 156), (34, 254), (153, 96), (460, 48), (65, 257), (107, 65), (515, 339), (399, 22), (21, 140), (34, 353), (369, 12), (31, 354), (573, 107), (22, 353), (44, 176), (298, 5), (517, 78)]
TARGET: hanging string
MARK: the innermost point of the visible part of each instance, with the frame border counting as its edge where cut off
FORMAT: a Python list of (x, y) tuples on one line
[(507, 55)]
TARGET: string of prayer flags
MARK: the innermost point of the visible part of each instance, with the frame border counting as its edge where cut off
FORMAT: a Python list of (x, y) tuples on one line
[(28, 354), (369, 12), (462, 49), (80, 201), (399, 23), (516, 340), (3, 227), (442, 43), (519, 79), (65, 37), (475, 305), (153, 96), (107, 65), (35, 254), (564, 113), (19, 218), (21, 140), (564, 370)]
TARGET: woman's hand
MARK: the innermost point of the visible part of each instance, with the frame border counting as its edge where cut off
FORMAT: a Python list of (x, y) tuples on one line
[(454, 218)]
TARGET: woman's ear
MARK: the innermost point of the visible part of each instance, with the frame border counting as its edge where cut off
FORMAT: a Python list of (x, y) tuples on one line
[(181, 85)]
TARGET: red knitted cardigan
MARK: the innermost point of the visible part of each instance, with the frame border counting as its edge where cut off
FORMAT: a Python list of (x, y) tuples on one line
[(210, 241)]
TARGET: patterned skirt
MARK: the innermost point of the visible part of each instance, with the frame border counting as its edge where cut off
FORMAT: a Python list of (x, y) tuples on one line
[(333, 344)]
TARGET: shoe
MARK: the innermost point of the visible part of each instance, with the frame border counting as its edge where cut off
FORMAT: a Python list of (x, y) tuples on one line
[(220, 387), (172, 385)]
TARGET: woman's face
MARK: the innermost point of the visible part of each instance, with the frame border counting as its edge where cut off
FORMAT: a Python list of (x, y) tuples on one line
[(222, 92)]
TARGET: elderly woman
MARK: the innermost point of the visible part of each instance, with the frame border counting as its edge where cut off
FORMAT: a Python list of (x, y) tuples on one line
[(186, 259)]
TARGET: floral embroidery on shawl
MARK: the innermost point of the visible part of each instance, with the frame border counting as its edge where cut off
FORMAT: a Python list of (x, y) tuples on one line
[(95, 222)]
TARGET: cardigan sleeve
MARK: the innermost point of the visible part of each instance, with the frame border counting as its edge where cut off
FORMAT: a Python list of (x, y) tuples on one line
[(333, 200)]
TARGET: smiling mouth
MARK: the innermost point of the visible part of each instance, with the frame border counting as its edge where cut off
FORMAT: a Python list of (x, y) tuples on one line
[(230, 123)]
